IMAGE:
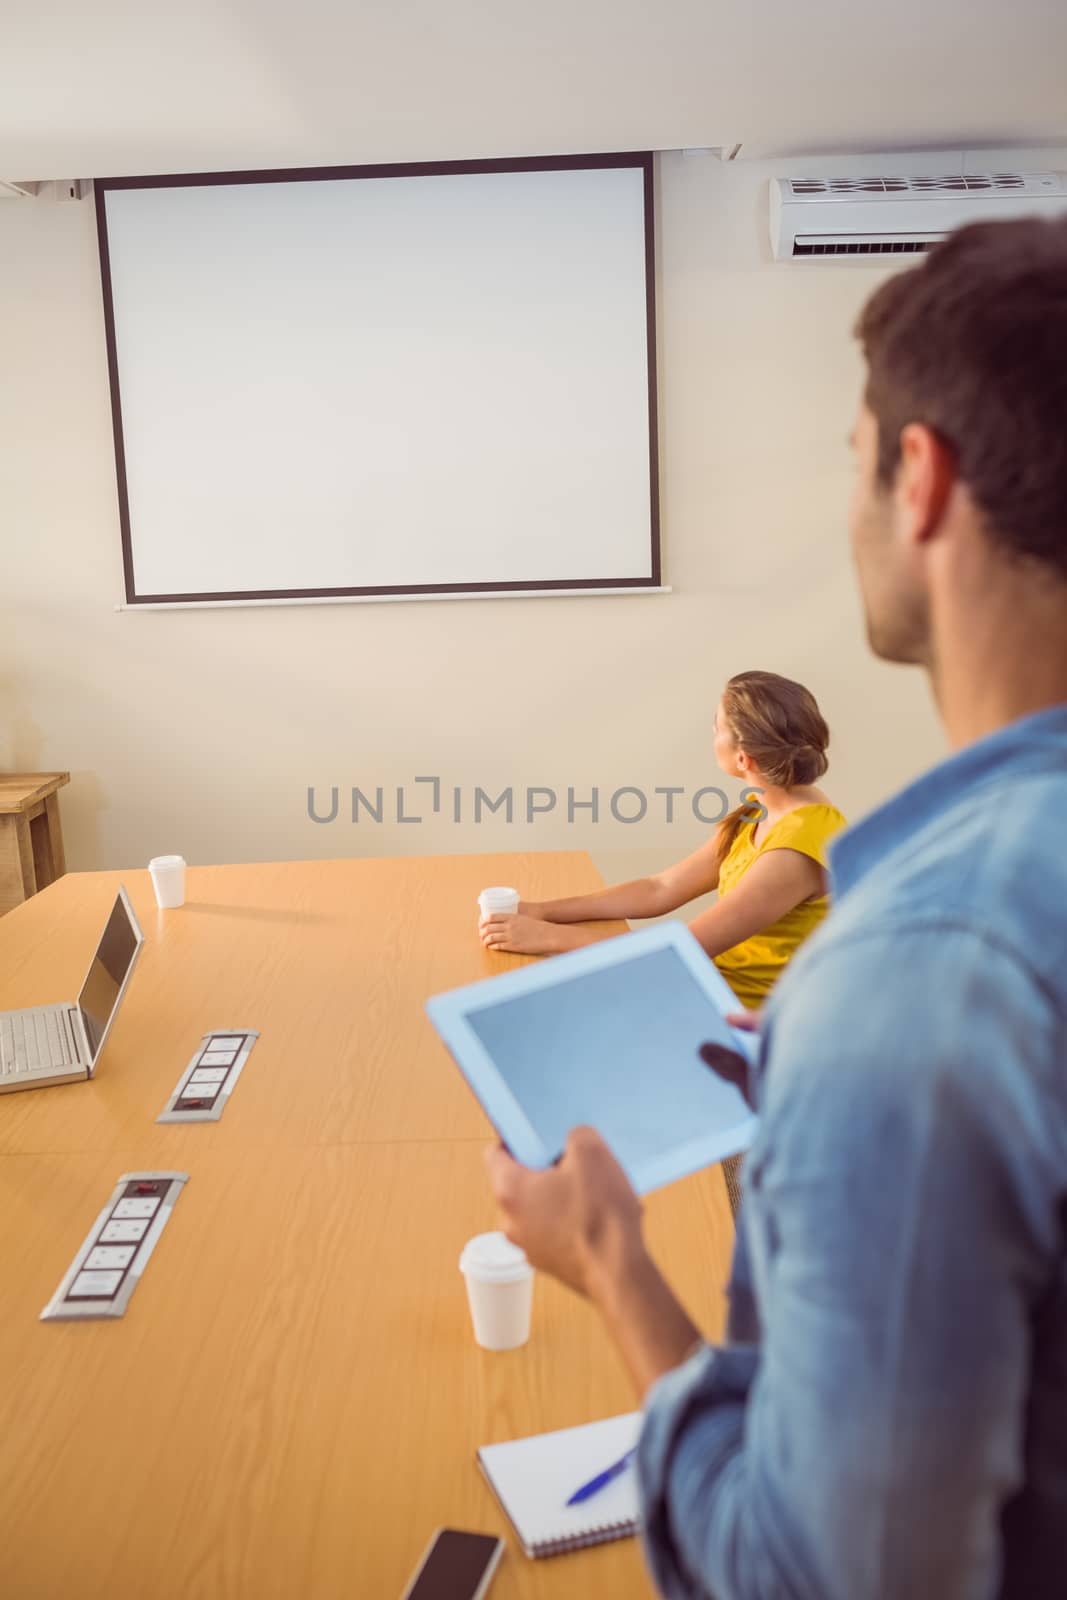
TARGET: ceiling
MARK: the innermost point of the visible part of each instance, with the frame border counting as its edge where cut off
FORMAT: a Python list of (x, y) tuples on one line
[(91, 88)]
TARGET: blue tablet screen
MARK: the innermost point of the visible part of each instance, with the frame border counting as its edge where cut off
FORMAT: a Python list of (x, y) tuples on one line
[(617, 1049)]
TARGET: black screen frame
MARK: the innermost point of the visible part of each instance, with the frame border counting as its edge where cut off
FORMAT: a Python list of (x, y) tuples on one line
[(644, 160)]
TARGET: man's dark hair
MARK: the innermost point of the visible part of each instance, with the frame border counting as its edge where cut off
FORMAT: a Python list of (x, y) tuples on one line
[(973, 343)]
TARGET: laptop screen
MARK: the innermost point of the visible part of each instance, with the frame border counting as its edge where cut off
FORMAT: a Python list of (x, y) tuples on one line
[(114, 957)]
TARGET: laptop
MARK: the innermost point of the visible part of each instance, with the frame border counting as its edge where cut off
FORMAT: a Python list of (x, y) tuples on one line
[(62, 1043)]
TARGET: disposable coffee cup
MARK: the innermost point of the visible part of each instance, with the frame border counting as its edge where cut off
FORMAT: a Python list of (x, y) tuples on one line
[(498, 899), (168, 880), (499, 1289)]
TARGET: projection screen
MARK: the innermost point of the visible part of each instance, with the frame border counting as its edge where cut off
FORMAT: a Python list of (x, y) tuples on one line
[(378, 382)]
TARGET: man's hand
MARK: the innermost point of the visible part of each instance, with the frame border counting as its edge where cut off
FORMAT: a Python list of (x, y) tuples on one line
[(579, 1220), (731, 1065), (521, 935)]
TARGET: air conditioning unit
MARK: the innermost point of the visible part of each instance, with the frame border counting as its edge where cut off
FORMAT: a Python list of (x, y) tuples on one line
[(813, 218)]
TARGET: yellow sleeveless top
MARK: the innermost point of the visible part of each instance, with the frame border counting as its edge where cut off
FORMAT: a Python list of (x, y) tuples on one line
[(752, 967)]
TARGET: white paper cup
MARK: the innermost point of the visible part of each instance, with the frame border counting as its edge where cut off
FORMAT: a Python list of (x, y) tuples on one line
[(498, 899), (168, 880), (499, 1289)]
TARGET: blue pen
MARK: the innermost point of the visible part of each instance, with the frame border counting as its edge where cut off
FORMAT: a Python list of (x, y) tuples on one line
[(602, 1478)]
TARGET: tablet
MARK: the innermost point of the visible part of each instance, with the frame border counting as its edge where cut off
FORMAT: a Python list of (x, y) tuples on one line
[(606, 1036)]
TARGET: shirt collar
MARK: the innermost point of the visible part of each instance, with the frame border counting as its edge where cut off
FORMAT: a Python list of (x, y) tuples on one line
[(1034, 743)]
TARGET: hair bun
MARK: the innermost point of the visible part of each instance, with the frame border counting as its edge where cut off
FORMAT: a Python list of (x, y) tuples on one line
[(809, 762)]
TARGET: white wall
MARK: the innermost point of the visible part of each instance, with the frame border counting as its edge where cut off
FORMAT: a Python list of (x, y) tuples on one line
[(200, 731)]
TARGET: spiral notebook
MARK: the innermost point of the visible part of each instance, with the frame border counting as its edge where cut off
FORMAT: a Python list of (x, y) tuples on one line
[(533, 1479)]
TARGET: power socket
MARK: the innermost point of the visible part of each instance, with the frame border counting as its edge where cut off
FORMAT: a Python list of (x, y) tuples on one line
[(106, 1256)]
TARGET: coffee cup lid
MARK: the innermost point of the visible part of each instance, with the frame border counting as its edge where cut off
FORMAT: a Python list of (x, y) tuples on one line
[(166, 861), (500, 892), (492, 1258)]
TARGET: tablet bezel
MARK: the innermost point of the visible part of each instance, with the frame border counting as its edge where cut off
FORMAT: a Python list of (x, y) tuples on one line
[(450, 1013)]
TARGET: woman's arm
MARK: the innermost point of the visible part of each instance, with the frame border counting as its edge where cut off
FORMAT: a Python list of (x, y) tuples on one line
[(773, 885), (523, 935), (549, 927), (642, 897)]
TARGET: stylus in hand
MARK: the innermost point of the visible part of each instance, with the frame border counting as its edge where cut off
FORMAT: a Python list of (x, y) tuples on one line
[(601, 1480)]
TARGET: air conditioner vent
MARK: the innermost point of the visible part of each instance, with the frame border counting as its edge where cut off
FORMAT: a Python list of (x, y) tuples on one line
[(948, 183), (867, 185), (862, 247)]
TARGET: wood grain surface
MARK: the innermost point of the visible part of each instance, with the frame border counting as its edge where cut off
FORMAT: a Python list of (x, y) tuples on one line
[(293, 1401)]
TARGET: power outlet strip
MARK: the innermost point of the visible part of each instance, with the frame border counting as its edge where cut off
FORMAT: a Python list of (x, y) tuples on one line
[(207, 1082), (106, 1270)]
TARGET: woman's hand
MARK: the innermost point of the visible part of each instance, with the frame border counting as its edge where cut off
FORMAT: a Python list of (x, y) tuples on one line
[(520, 934), (533, 908)]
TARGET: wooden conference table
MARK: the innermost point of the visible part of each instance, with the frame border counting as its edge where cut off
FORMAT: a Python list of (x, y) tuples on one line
[(293, 1400)]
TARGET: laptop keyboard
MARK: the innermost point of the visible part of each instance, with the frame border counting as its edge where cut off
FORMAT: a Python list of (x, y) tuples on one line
[(31, 1040)]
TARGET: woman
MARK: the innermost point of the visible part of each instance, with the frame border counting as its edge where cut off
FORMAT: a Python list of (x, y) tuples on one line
[(767, 858)]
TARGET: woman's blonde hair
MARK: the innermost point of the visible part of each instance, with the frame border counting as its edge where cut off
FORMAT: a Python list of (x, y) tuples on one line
[(778, 724)]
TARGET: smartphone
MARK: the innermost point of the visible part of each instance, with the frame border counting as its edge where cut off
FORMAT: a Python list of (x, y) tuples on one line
[(456, 1566)]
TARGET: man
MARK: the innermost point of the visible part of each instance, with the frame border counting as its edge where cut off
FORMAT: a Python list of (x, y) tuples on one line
[(899, 1432)]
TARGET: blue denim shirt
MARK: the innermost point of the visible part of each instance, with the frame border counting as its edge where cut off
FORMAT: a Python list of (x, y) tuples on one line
[(899, 1430)]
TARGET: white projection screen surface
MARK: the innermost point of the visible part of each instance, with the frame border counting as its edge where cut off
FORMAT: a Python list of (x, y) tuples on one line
[(383, 381)]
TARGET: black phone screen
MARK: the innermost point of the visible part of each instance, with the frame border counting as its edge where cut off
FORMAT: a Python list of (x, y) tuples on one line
[(455, 1567)]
